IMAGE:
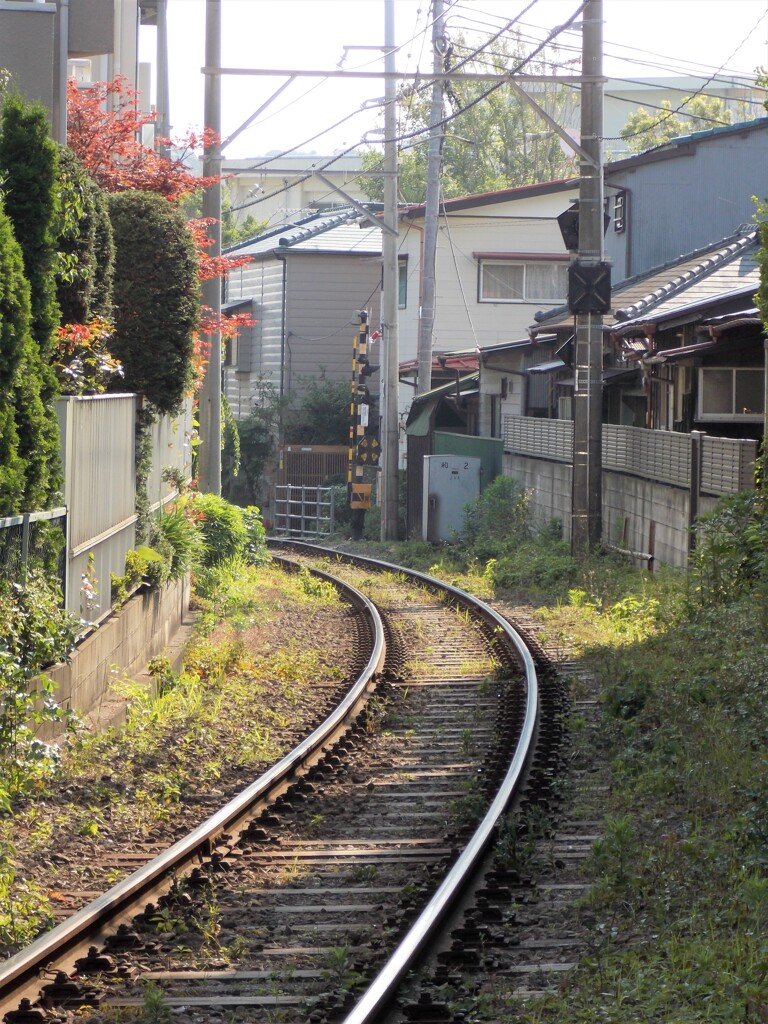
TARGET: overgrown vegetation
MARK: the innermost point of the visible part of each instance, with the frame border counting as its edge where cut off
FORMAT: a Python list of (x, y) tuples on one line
[(155, 297), (675, 918), (227, 713)]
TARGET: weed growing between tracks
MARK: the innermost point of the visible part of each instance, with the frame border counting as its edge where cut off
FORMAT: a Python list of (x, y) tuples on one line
[(675, 925), (250, 681)]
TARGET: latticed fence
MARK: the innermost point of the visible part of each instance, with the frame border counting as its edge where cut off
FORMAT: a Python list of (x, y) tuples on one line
[(727, 465), (304, 511), (35, 540)]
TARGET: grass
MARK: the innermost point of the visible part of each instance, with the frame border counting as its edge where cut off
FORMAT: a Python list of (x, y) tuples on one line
[(227, 716), (676, 919)]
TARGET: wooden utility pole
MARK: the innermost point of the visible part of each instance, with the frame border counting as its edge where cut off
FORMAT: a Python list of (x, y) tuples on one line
[(390, 434), (431, 205), (586, 297), (210, 394)]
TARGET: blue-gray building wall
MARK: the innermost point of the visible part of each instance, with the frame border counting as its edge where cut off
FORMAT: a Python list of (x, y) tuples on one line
[(685, 196)]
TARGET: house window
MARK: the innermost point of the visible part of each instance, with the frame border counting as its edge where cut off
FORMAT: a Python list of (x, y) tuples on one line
[(402, 284), (512, 281), (730, 393)]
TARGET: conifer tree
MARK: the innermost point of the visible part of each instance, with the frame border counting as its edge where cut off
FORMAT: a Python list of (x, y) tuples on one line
[(28, 169)]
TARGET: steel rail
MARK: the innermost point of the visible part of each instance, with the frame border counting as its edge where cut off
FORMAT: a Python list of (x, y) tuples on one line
[(380, 994), (76, 930)]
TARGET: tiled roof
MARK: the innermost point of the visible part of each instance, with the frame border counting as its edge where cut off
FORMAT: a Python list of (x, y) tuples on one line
[(339, 231), (705, 274)]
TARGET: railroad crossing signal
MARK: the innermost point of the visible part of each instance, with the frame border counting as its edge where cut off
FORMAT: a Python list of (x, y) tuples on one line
[(368, 451)]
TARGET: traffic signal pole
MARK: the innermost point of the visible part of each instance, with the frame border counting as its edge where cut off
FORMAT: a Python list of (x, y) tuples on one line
[(587, 275)]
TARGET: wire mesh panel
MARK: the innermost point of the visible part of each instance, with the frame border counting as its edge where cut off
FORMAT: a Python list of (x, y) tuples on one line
[(37, 540), (304, 511)]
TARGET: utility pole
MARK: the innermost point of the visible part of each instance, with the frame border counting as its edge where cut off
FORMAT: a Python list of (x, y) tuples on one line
[(210, 394), (163, 122), (589, 297), (390, 434), (431, 205)]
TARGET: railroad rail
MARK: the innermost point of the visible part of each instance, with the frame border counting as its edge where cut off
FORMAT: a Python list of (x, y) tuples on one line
[(382, 889)]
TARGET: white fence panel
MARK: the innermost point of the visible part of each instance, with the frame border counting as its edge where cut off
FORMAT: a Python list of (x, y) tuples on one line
[(98, 455), (651, 454), (171, 453), (727, 465), (546, 439)]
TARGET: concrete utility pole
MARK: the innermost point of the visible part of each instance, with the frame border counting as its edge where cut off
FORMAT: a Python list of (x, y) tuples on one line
[(163, 122), (210, 395), (586, 277), (390, 435), (432, 205)]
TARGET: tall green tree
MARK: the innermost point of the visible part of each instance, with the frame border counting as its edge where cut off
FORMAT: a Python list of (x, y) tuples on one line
[(29, 165), (155, 297), (493, 138), (646, 129), (28, 170), (15, 339), (84, 246)]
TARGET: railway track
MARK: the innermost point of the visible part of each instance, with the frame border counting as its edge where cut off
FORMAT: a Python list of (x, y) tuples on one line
[(366, 876)]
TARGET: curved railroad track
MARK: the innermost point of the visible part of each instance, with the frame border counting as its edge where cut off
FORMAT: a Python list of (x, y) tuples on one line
[(361, 877)]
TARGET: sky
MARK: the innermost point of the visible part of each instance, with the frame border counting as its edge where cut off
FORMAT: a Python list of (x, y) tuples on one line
[(642, 38)]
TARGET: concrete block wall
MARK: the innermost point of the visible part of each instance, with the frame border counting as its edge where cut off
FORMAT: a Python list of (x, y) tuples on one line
[(639, 515), (120, 648), (549, 484), (647, 517)]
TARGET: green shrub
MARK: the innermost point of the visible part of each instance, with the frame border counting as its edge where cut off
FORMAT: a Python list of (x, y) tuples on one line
[(15, 338), (223, 528), (34, 632), (731, 550), (155, 295), (256, 544), (28, 169), (177, 536), (544, 570), (498, 518)]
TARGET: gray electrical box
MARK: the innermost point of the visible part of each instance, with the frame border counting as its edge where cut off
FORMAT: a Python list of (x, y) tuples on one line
[(450, 482)]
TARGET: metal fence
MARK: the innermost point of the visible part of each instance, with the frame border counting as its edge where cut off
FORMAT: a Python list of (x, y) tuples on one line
[(304, 511), (98, 439), (34, 540), (312, 465)]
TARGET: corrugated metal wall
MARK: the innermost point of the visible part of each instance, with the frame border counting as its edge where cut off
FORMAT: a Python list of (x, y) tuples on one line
[(99, 461), (680, 204), (323, 294)]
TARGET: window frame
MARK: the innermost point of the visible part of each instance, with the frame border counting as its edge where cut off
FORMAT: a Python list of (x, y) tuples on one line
[(524, 260), (732, 416)]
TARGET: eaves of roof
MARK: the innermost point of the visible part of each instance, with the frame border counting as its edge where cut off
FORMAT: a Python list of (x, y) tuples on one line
[(660, 283), (685, 312), (504, 195), (289, 235), (685, 145), (464, 384)]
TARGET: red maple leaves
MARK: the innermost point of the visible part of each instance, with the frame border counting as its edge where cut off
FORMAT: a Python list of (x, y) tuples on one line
[(105, 125)]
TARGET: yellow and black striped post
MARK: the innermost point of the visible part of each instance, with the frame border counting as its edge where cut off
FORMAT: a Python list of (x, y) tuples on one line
[(358, 492)]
